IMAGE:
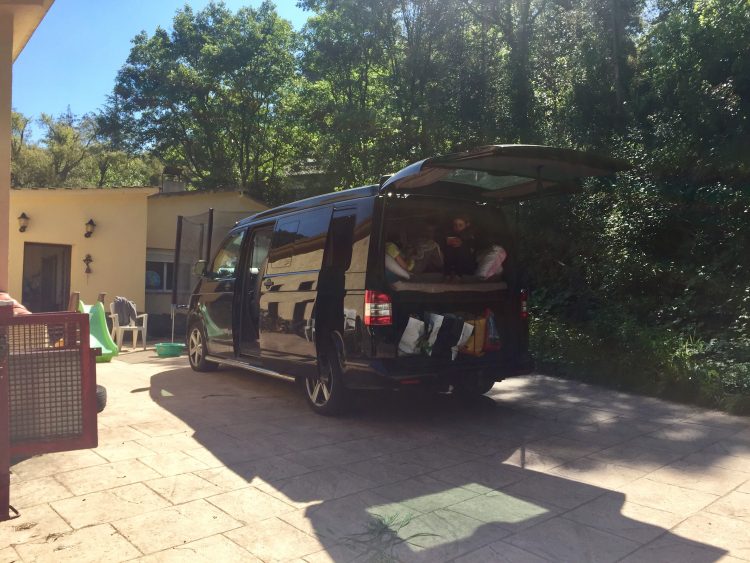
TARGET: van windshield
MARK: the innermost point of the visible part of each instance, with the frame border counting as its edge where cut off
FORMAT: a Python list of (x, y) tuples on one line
[(440, 241)]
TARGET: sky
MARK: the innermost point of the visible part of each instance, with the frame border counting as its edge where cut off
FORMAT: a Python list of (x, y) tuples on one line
[(74, 55)]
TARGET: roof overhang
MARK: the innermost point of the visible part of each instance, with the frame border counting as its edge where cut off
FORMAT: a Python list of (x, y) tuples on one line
[(26, 17)]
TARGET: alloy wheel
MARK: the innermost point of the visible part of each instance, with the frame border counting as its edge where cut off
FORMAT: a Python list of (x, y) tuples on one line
[(195, 346), (318, 387)]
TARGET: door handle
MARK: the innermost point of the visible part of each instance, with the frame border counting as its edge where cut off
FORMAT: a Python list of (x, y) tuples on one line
[(268, 283)]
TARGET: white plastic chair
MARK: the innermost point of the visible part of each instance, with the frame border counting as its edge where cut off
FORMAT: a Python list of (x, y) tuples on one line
[(118, 330)]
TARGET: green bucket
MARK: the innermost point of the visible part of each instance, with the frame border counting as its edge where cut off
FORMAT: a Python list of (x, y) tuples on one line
[(169, 349)]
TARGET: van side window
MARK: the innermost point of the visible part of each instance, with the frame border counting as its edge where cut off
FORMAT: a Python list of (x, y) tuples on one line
[(298, 242), (311, 239), (227, 257), (282, 246)]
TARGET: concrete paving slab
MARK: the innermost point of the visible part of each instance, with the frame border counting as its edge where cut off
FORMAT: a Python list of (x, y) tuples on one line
[(664, 496), (674, 548), (123, 450), (106, 476), (564, 540), (173, 463), (554, 491), (9, 555), (44, 466), (275, 540), (718, 531), (713, 480), (250, 505), (34, 524), (180, 489), (500, 552), (105, 506), (424, 493), (37, 491), (208, 550), (735, 505), (444, 535), (480, 475), (611, 513), (174, 526), (92, 544)]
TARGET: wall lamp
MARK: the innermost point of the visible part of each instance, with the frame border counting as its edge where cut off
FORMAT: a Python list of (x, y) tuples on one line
[(90, 226), (88, 260), (23, 222)]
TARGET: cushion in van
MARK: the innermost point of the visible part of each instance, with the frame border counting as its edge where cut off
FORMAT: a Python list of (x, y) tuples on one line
[(392, 266), (490, 262), (437, 287)]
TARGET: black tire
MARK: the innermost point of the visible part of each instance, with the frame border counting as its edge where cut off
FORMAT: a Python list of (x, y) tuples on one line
[(101, 398), (196, 349), (324, 390), (474, 386)]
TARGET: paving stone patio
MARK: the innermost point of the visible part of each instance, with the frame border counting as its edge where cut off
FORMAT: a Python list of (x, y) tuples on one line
[(231, 466)]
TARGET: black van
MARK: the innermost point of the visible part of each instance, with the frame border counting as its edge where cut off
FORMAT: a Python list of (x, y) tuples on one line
[(378, 286)]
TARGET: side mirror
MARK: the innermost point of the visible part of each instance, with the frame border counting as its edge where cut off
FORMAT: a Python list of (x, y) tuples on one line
[(199, 269)]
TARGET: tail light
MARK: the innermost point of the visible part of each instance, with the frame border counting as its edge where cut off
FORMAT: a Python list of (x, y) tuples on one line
[(524, 297), (378, 308)]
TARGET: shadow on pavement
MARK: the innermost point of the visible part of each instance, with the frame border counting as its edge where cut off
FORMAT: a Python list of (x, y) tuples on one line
[(529, 473)]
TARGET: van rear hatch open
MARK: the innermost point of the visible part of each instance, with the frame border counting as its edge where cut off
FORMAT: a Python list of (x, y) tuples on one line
[(419, 203), (501, 172)]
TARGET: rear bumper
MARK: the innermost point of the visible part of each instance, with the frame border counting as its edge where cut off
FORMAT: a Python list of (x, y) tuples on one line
[(420, 371)]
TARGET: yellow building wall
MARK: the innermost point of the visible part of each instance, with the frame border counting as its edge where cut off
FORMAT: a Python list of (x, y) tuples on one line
[(117, 246), (163, 210)]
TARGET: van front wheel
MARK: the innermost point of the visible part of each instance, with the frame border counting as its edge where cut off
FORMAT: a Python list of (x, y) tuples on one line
[(324, 390), (197, 349)]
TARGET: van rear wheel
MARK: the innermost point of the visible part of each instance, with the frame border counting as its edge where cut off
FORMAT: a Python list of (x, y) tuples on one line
[(324, 390), (197, 349), (474, 386)]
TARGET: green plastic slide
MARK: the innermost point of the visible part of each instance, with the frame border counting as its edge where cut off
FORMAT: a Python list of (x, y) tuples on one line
[(99, 337)]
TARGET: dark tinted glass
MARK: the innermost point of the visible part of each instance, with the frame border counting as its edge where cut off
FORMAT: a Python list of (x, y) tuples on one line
[(227, 257), (311, 239), (282, 248)]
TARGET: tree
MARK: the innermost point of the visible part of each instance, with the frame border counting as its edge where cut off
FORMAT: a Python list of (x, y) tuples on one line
[(210, 96)]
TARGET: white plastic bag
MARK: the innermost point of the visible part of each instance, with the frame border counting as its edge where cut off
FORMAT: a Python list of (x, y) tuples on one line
[(435, 321), (490, 262), (413, 334), (464, 338)]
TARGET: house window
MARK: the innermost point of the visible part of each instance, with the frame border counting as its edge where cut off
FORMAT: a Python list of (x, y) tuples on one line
[(159, 276)]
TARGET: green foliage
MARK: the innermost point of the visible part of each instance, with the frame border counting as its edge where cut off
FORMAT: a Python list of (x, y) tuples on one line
[(72, 153), (212, 96)]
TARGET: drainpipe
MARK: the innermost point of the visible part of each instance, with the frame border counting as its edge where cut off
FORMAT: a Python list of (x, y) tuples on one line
[(6, 76)]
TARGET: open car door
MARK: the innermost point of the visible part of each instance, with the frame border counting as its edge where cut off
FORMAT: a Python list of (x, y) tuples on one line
[(501, 172)]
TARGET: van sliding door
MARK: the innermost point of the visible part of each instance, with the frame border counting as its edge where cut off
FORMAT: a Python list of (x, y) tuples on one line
[(290, 285)]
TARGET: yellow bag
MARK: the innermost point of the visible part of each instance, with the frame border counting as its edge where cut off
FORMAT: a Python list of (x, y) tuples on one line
[(475, 345)]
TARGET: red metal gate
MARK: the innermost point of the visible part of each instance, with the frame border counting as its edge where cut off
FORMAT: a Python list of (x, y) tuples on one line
[(47, 388)]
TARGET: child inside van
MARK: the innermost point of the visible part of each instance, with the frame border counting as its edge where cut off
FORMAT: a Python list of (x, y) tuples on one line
[(460, 258), (397, 265)]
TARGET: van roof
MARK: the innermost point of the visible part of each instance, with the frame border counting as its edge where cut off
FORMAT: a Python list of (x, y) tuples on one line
[(315, 201)]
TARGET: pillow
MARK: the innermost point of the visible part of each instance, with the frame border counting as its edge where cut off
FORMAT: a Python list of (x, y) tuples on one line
[(392, 266), (490, 262)]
